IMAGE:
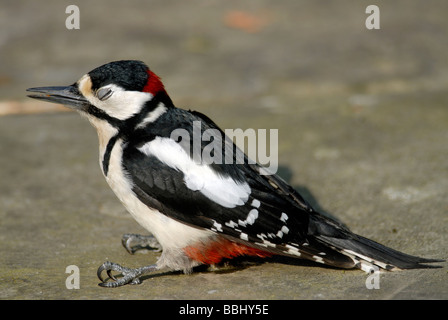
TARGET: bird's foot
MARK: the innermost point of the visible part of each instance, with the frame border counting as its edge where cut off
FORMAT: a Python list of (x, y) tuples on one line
[(128, 276), (134, 242)]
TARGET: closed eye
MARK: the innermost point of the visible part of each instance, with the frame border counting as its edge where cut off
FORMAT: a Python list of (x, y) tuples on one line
[(104, 93)]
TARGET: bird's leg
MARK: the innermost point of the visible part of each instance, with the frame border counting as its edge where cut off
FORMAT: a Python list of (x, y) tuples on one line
[(131, 276), (134, 242)]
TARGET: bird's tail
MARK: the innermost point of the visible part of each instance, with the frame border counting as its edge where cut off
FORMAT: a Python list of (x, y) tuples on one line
[(342, 248)]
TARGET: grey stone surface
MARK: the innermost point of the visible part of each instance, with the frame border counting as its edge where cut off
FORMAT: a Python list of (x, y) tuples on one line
[(363, 129)]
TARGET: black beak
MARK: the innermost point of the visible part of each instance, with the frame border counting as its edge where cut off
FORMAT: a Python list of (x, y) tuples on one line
[(69, 96)]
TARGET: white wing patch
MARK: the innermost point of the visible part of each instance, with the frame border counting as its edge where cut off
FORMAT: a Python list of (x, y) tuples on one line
[(198, 177)]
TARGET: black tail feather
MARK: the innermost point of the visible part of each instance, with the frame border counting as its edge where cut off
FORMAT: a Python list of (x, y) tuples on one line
[(363, 251), (366, 250)]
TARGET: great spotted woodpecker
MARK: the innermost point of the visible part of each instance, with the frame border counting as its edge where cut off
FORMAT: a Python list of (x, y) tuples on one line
[(199, 213)]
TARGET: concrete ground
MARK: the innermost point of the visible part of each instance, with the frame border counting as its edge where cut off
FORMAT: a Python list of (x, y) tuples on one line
[(362, 117)]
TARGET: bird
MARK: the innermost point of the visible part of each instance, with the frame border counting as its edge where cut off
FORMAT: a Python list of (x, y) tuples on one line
[(200, 212)]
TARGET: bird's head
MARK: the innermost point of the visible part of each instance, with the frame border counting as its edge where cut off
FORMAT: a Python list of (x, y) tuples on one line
[(116, 91)]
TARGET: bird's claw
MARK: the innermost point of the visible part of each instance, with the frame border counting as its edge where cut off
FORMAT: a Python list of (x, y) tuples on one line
[(129, 276), (134, 242)]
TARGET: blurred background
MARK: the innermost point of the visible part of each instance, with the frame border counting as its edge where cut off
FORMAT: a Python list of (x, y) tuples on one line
[(362, 118), (249, 54)]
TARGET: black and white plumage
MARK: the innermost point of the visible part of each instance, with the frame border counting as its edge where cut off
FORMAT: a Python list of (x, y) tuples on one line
[(200, 213)]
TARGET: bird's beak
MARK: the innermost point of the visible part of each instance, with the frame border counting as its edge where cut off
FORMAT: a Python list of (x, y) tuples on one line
[(69, 96)]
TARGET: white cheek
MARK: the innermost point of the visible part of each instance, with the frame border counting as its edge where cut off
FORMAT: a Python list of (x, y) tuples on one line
[(124, 104), (121, 104)]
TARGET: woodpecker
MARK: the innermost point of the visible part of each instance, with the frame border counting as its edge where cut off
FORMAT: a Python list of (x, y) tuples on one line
[(199, 213)]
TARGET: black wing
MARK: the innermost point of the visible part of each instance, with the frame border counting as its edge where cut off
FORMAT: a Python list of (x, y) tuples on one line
[(281, 216), (284, 222)]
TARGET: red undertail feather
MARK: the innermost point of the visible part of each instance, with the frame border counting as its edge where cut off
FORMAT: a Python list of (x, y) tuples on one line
[(215, 251)]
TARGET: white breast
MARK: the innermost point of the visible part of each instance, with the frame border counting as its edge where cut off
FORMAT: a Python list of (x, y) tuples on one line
[(170, 233)]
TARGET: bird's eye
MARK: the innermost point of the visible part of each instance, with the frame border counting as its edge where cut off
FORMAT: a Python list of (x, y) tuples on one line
[(104, 93)]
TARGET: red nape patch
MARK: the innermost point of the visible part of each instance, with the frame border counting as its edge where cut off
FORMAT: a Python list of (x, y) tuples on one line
[(154, 84), (214, 251)]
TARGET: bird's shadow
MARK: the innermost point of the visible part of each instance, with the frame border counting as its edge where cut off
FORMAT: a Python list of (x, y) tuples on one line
[(286, 174), (239, 264)]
